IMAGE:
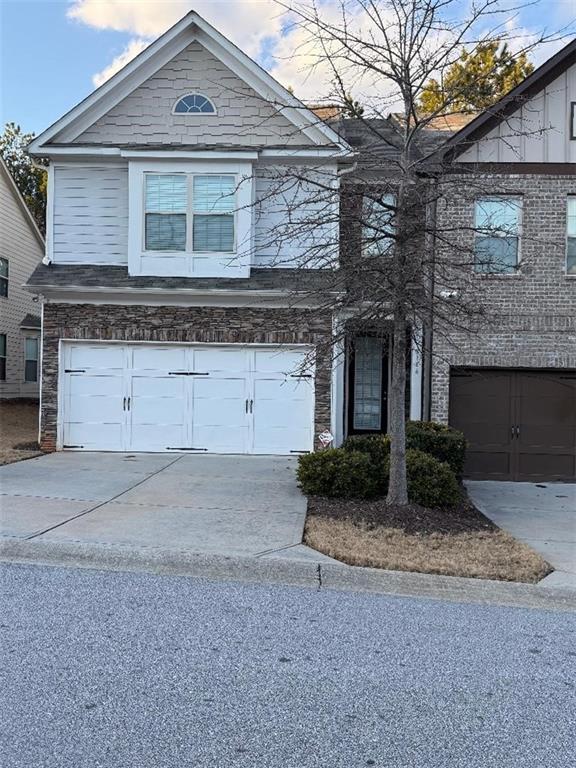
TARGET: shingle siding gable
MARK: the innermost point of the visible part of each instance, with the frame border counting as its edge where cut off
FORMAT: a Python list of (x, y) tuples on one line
[(145, 116)]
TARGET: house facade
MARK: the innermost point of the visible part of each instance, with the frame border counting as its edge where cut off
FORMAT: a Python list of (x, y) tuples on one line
[(21, 250), (188, 303), (511, 386)]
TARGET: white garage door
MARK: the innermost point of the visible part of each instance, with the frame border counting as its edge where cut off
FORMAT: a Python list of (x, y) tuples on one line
[(205, 398)]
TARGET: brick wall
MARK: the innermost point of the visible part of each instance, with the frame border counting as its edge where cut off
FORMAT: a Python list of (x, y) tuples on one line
[(181, 324), (532, 314)]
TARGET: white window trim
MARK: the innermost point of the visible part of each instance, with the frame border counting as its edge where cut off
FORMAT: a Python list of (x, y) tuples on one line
[(516, 272), (31, 359), (194, 114), (568, 199), (5, 277), (189, 263)]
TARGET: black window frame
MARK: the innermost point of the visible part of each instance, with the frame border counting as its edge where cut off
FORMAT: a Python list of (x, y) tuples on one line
[(573, 121)]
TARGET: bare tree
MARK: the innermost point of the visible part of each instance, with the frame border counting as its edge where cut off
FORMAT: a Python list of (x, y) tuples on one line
[(396, 268)]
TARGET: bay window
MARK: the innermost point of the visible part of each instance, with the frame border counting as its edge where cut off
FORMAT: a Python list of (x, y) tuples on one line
[(180, 206), (497, 235), (190, 218)]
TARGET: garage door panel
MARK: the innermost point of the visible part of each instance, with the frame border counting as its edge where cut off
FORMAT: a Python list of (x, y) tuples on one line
[(157, 437), (109, 357), (94, 398), (220, 359), (280, 360), (487, 465), (534, 467), (283, 415), (93, 436), (159, 358)]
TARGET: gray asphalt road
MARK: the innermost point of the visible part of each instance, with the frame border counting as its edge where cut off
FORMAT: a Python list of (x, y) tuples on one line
[(135, 670)]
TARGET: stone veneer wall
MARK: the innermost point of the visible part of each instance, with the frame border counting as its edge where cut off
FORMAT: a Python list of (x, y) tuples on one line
[(181, 324), (532, 313)]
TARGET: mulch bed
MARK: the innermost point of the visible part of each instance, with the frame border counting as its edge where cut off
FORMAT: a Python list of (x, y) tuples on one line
[(413, 519)]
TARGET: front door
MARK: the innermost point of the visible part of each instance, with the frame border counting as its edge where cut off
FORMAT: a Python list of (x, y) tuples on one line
[(368, 386)]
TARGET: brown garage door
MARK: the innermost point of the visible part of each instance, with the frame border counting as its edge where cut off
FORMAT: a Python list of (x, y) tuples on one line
[(520, 425)]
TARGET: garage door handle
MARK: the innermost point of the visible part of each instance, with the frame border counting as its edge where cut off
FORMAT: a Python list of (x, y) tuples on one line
[(246, 406), (251, 405), (129, 403), (124, 404)]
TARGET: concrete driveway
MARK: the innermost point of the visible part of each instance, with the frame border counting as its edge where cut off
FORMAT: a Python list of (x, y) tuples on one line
[(543, 515), (236, 505)]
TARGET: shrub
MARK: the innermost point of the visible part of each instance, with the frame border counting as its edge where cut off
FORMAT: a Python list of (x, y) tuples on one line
[(338, 473), (376, 446), (431, 483), (442, 442)]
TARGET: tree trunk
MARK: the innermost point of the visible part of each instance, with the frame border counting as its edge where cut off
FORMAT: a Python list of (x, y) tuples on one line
[(397, 488)]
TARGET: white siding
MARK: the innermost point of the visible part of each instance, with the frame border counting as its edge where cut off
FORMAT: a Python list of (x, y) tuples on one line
[(90, 222), (296, 217), (21, 245), (538, 132)]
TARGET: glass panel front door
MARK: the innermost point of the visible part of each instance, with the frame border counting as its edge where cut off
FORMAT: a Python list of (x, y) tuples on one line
[(367, 391)]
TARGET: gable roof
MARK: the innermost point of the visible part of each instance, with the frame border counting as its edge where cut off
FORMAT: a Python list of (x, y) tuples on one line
[(17, 195), (190, 28), (531, 85)]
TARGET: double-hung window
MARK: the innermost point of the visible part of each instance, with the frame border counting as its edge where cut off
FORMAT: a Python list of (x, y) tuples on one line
[(3, 357), (571, 236), (378, 225), (4, 277), (194, 213), (31, 359), (497, 235)]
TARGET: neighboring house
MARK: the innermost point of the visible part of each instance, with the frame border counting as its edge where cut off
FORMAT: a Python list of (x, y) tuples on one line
[(173, 321), (512, 387), (21, 250)]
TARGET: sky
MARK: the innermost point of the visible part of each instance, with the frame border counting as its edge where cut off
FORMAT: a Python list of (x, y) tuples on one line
[(53, 54)]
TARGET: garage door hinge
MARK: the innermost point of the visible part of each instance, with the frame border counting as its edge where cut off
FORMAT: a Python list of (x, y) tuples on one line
[(176, 448), (74, 370), (187, 373), (72, 446), (299, 451), (301, 376)]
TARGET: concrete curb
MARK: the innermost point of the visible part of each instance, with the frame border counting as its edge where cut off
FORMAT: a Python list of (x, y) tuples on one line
[(315, 575)]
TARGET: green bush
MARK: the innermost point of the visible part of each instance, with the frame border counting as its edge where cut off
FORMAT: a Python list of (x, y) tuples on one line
[(438, 440), (338, 473), (431, 483), (376, 446)]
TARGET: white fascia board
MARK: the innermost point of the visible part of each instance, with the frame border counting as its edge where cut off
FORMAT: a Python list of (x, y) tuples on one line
[(155, 154), (313, 152), (80, 151)]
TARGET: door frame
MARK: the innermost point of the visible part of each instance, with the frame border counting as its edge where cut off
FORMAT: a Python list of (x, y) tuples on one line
[(64, 343), (385, 387)]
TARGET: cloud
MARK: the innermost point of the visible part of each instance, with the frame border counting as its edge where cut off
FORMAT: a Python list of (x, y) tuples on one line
[(132, 50)]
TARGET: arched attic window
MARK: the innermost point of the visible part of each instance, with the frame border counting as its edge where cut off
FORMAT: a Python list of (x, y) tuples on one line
[(194, 104)]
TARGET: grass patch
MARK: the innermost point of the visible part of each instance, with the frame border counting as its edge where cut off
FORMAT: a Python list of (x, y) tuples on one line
[(18, 431), (459, 542)]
